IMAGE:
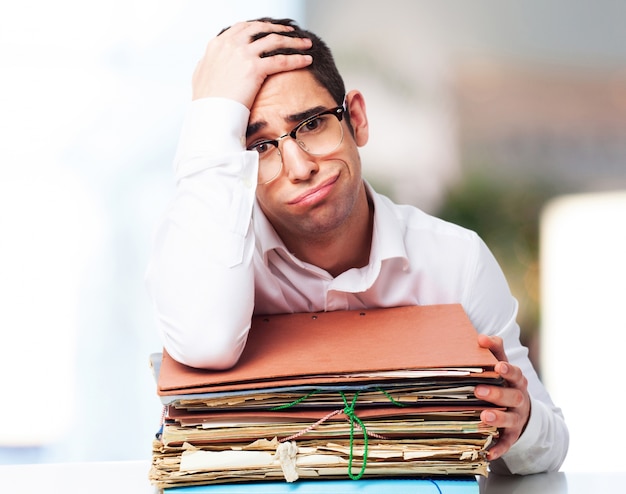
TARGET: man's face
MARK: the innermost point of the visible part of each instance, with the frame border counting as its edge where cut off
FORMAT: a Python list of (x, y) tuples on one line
[(312, 195)]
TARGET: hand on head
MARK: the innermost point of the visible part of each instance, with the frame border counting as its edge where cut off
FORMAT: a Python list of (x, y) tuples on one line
[(234, 65)]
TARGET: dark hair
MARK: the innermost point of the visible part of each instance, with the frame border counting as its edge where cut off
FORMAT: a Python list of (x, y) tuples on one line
[(322, 68)]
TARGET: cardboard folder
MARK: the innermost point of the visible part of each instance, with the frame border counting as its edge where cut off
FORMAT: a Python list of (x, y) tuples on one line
[(299, 414), (339, 347)]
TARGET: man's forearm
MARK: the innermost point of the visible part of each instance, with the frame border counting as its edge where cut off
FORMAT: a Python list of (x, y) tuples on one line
[(201, 276)]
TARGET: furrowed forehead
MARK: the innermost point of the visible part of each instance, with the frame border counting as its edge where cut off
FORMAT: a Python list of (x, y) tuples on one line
[(286, 99)]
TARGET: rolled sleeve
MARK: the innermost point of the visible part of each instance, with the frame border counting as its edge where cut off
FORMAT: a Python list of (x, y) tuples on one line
[(200, 276), (543, 445), (213, 128)]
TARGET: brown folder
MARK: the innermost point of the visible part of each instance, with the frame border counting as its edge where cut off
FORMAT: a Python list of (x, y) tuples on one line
[(325, 347), (309, 415)]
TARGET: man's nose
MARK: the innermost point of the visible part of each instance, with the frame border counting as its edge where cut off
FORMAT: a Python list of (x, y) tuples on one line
[(298, 164)]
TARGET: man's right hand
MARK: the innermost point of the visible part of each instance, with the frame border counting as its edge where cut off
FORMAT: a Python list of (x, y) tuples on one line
[(232, 66)]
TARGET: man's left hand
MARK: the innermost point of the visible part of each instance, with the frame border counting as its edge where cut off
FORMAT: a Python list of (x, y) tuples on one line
[(513, 397)]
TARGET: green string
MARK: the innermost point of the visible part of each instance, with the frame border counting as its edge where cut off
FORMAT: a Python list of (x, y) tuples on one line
[(391, 398), (349, 411), (295, 402)]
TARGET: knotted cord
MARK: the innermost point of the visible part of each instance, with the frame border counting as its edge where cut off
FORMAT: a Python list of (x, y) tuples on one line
[(349, 411)]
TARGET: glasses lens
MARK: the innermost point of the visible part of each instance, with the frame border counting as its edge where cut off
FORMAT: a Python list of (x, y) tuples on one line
[(320, 135), (317, 136), (270, 164)]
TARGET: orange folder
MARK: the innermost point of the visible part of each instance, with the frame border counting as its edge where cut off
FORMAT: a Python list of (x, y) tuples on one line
[(328, 347)]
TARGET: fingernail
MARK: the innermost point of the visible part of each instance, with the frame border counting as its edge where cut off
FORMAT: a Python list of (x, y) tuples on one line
[(480, 391), (490, 416), (504, 368)]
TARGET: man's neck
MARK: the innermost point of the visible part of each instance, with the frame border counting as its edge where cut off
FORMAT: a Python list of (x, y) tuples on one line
[(339, 253)]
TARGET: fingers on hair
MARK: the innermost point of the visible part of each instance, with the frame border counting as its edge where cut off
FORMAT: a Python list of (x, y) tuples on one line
[(269, 20)]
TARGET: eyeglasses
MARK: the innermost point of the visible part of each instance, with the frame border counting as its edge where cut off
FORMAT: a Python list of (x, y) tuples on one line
[(317, 135)]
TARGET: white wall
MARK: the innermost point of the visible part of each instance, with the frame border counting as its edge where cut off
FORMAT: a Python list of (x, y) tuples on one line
[(92, 95), (583, 344)]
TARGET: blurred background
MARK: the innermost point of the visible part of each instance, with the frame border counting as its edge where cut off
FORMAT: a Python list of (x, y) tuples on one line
[(508, 117)]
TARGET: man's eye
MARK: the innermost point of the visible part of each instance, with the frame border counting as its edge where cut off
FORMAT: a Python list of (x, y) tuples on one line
[(312, 125), (261, 147)]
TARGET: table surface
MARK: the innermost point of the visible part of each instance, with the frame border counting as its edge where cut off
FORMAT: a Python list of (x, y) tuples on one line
[(132, 478)]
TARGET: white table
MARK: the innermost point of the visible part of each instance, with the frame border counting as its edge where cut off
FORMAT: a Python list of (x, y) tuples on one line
[(132, 478), (77, 478)]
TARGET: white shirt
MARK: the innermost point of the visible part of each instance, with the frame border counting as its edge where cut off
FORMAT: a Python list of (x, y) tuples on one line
[(217, 261)]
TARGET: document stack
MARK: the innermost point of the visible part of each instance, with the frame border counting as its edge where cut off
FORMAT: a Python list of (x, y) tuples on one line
[(332, 396)]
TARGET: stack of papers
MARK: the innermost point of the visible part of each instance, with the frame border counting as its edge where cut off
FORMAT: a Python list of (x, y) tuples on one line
[(366, 394)]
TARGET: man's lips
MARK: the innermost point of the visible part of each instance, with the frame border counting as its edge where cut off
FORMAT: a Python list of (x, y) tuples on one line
[(315, 193)]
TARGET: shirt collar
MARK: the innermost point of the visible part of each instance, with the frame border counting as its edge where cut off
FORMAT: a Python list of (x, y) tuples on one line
[(388, 236), (266, 237)]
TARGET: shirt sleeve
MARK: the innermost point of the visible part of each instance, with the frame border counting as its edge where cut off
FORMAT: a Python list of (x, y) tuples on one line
[(200, 276), (493, 310)]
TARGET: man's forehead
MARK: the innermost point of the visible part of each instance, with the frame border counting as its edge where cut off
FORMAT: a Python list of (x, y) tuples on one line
[(286, 92), (288, 98)]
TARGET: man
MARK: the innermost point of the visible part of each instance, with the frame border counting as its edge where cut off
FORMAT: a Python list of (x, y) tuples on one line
[(272, 215)]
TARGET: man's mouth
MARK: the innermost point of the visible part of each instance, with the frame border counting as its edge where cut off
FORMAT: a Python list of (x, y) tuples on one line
[(315, 194)]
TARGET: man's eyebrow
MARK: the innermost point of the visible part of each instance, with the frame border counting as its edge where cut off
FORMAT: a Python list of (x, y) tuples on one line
[(253, 128), (296, 118)]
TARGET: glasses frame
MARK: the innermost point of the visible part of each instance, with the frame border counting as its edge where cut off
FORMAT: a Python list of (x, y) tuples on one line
[(338, 112)]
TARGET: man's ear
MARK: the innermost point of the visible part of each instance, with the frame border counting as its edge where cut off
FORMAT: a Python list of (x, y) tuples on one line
[(358, 117)]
